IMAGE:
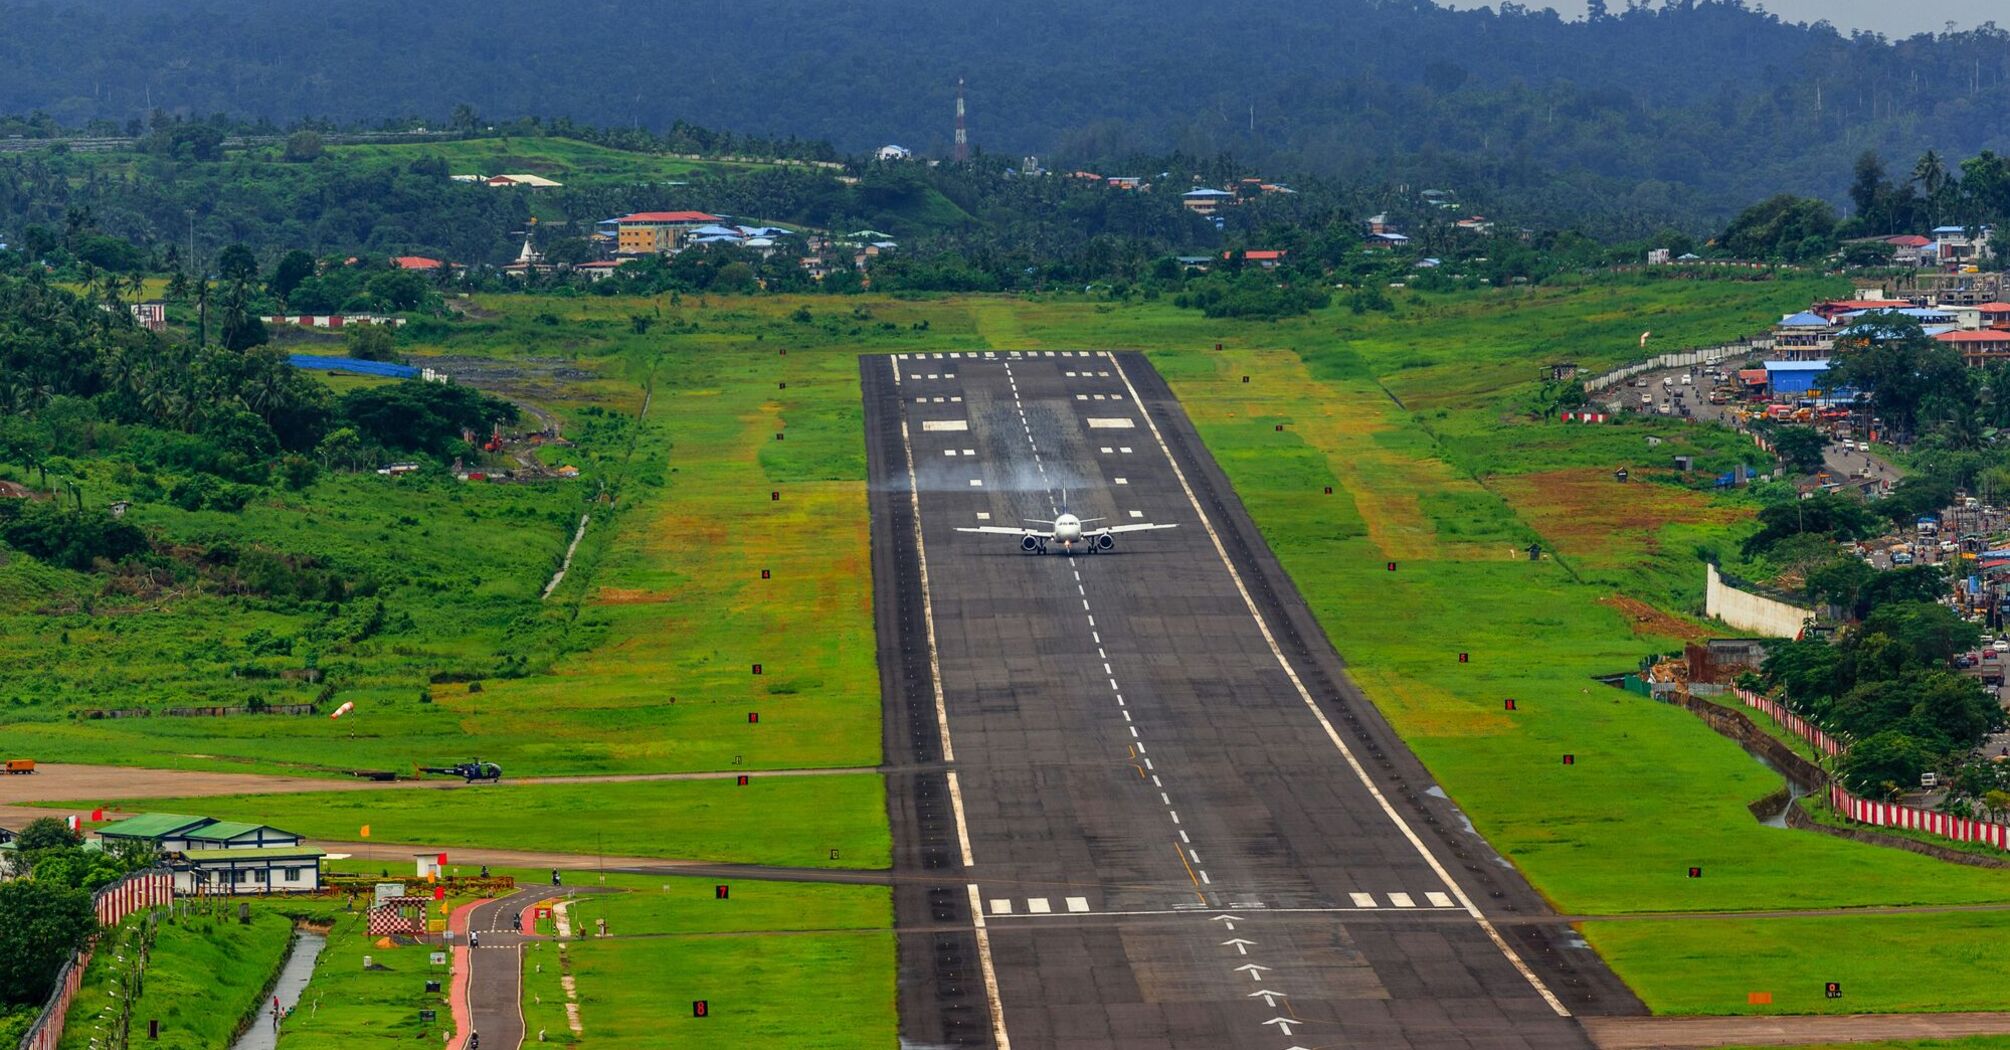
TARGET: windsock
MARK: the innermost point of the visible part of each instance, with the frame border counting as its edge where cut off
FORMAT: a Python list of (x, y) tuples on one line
[(343, 710), (1643, 338)]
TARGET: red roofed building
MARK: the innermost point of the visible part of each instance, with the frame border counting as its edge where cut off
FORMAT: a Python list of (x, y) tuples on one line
[(1910, 249), (1995, 315), (1849, 306), (415, 262), (1978, 347), (656, 232), (1265, 259)]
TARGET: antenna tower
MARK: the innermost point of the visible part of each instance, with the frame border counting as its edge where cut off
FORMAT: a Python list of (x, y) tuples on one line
[(962, 136)]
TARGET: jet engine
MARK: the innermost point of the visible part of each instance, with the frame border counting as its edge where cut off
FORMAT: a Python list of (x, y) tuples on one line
[(1105, 541), (1030, 544)]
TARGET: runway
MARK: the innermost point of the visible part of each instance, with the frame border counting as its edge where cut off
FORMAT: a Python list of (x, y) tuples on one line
[(1164, 818)]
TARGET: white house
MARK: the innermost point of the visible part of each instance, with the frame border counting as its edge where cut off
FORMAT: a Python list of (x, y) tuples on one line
[(891, 152), (253, 870)]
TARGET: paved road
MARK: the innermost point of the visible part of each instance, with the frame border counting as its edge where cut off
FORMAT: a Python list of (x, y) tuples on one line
[(495, 969), (1168, 820), (1856, 467)]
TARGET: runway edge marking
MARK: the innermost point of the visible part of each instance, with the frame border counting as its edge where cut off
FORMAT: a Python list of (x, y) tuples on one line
[(1332, 734), (990, 973), (991, 996), (928, 627)]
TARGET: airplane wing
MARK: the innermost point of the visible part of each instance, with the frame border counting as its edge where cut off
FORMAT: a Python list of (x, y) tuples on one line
[(1000, 530), (1113, 529)]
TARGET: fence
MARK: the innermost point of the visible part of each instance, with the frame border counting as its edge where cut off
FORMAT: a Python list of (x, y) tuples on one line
[(1678, 359), (145, 889), (1880, 814), (1795, 724), (1893, 815)]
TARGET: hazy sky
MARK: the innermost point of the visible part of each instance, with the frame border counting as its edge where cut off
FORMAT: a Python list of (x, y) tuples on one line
[(1883, 16)]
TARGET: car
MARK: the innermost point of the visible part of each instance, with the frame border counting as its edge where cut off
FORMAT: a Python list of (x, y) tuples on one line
[(1901, 558), (2000, 646)]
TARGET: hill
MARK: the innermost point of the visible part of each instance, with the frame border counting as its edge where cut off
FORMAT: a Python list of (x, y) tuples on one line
[(1656, 108)]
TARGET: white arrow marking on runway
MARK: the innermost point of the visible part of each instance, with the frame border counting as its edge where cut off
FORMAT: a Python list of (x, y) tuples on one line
[(1255, 972), (1228, 921), (1283, 1024), (1269, 997), (1241, 946)]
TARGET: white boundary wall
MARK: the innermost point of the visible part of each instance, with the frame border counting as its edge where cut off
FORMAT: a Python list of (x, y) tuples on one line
[(1751, 612), (1679, 359)]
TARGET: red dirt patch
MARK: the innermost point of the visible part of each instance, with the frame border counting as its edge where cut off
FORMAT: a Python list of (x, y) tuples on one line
[(1647, 619), (1584, 514)]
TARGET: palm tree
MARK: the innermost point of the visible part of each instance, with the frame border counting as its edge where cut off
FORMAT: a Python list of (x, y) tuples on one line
[(1930, 175)]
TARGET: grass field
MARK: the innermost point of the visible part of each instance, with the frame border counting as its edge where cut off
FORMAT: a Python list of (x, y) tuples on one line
[(566, 160), (750, 956), (1885, 963), (792, 821)]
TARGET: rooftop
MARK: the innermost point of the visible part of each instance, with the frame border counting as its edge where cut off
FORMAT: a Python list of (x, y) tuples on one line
[(209, 856), (1798, 366), (152, 825), (227, 829), (1973, 335), (644, 217)]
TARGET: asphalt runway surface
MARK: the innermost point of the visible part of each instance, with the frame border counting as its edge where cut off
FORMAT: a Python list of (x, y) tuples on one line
[(1150, 810)]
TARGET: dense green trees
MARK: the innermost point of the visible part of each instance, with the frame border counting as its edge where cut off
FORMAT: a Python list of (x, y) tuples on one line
[(422, 417), (1887, 686), (205, 427), (1659, 108), (41, 923), (1783, 227)]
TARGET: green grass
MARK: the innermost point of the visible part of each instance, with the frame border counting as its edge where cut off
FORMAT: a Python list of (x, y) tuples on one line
[(817, 990), (792, 821), (751, 955), (1886, 964), (205, 976), (688, 906), (566, 160)]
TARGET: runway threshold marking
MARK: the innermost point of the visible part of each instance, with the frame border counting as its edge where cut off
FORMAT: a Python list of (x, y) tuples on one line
[(1360, 772)]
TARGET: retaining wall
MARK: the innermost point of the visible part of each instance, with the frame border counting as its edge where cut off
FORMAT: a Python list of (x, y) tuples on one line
[(1750, 612)]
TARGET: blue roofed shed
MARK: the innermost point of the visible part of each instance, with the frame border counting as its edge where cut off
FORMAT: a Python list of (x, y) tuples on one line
[(1795, 378)]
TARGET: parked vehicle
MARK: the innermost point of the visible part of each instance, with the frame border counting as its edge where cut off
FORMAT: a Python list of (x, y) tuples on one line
[(20, 765)]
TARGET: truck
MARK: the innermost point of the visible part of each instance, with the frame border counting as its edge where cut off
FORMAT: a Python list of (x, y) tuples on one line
[(20, 765)]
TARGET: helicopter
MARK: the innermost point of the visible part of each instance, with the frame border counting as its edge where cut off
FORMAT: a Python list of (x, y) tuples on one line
[(472, 770)]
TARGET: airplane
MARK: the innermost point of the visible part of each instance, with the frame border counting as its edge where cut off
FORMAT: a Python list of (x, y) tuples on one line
[(1068, 531)]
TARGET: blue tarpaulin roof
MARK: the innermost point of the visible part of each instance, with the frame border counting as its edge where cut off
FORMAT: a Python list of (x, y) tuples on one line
[(1804, 320), (317, 362)]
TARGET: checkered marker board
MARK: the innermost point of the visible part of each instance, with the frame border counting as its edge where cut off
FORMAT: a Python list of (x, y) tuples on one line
[(398, 915)]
